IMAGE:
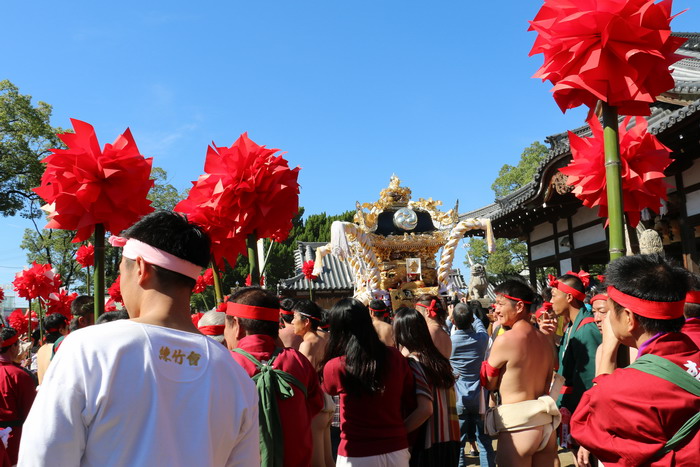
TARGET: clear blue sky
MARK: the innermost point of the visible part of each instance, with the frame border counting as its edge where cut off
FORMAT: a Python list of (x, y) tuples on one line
[(439, 93)]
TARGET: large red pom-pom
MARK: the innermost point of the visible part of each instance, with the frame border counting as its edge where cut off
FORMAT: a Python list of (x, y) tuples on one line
[(85, 256), (115, 290), (37, 282)]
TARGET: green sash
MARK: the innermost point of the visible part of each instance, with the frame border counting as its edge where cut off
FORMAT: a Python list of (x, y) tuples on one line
[(665, 369), (271, 383)]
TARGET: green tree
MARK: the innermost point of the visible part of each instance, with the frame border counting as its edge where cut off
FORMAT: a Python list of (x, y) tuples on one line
[(511, 178), (163, 195), (26, 137)]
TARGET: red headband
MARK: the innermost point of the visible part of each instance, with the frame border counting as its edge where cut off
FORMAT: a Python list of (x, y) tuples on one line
[(577, 294), (546, 306), (432, 309), (52, 330), (213, 330), (515, 299), (599, 296), (10, 341), (647, 308), (693, 296), (286, 312), (252, 312), (375, 310)]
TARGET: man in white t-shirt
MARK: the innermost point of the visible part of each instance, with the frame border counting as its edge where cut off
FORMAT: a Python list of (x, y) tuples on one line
[(150, 390)]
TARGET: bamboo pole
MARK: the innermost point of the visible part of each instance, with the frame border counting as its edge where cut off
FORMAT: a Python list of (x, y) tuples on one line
[(613, 182), (251, 244), (99, 273), (87, 280), (217, 284)]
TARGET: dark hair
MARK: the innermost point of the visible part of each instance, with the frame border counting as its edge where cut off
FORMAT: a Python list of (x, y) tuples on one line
[(112, 316), (378, 305), (463, 316), (255, 296), (54, 321), (649, 277), (411, 331), (82, 305), (575, 283), (427, 299), (287, 304), (517, 289), (352, 335), (692, 310), (7, 333), (309, 310), (547, 294), (171, 232)]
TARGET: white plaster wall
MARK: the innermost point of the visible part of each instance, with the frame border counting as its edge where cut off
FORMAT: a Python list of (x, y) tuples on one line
[(541, 231), (583, 216), (565, 265), (692, 203), (542, 250), (593, 234), (562, 248), (691, 176)]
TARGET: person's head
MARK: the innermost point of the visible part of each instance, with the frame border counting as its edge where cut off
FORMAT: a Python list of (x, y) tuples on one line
[(513, 301), (568, 293), (83, 311), (10, 342), (112, 316), (212, 324), (286, 313), (307, 317), (431, 307), (55, 326), (463, 316), (186, 247), (352, 335), (692, 298), (411, 331), (544, 313), (249, 311), (635, 281), (599, 307), (378, 309)]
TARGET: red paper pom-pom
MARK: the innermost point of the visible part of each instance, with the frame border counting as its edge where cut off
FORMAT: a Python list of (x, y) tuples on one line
[(203, 281), (18, 321), (84, 185), (59, 302), (110, 305), (2, 294), (617, 51), (245, 190), (643, 159), (115, 290), (195, 318), (308, 269), (85, 256), (37, 282)]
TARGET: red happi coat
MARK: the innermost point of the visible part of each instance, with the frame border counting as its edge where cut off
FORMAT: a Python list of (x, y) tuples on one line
[(629, 415), (692, 329), (18, 391)]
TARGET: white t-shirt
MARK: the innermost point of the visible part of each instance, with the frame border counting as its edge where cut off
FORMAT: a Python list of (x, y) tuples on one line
[(131, 394)]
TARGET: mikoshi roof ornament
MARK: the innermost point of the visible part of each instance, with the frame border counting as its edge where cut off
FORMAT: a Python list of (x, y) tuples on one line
[(615, 51), (90, 189), (246, 193)]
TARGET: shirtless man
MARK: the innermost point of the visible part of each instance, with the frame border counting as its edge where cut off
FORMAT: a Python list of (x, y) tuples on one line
[(307, 318), (432, 309), (520, 367), (379, 311)]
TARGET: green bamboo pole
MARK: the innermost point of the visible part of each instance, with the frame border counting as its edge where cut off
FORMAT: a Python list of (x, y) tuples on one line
[(613, 182), (29, 320), (99, 273), (41, 323), (251, 244), (217, 284), (87, 281)]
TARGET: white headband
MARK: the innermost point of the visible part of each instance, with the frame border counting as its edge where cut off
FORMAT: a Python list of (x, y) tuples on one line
[(134, 248)]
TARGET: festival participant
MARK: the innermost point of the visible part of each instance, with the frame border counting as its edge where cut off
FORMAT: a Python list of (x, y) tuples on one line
[(83, 311), (520, 367), (430, 306), (376, 388), (286, 333), (55, 326), (438, 439), (633, 416), (112, 316), (307, 318), (288, 389), (581, 338), (18, 390), (469, 343), (145, 391), (379, 313), (691, 311), (211, 324)]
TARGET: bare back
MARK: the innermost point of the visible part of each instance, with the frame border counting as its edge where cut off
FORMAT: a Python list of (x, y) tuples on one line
[(313, 347), (384, 331), (440, 338), (288, 338), (529, 363)]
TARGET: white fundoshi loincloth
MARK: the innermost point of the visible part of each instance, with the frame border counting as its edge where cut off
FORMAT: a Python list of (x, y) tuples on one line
[(523, 415)]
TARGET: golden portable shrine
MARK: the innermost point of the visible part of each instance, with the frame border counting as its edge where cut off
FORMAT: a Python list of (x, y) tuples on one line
[(392, 245)]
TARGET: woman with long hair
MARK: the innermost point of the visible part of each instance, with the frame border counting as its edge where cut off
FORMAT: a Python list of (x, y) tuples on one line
[(437, 443), (376, 389)]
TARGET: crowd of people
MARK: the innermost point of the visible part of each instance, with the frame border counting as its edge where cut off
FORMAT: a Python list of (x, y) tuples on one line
[(610, 373)]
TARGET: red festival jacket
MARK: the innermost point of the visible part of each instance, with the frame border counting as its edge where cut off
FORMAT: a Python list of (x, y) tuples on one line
[(629, 415), (692, 329)]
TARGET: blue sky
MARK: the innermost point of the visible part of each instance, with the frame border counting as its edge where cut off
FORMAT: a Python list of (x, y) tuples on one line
[(352, 91)]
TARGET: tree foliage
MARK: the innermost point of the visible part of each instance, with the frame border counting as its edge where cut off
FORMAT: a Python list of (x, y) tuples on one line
[(511, 178)]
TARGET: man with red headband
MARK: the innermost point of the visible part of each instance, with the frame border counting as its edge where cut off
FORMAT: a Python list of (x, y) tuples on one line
[(520, 367), (581, 338), (380, 313), (691, 311), (288, 387), (18, 391), (150, 390), (647, 413)]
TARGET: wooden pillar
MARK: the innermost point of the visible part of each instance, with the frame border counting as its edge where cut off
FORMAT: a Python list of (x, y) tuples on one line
[(531, 268)]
